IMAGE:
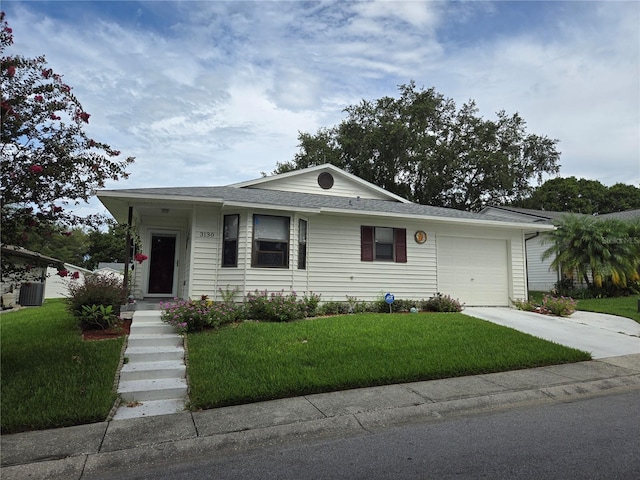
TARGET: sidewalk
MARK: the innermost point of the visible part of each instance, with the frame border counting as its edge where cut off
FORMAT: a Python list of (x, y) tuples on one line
[(103, 449)]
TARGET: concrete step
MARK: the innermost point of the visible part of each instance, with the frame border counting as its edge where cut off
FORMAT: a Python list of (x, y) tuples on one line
[(154, 340), (149, 319), (156, 389), (154, 354), (149, 408), (149, 327), (153, 370)]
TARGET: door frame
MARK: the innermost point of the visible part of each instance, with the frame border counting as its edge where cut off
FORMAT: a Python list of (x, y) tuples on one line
[(176, 266)]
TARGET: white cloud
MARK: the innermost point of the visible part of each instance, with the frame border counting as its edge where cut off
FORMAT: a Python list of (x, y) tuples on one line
[(216, 92)]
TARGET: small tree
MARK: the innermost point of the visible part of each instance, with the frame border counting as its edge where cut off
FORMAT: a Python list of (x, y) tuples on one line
[(47, 159), (597, 250)]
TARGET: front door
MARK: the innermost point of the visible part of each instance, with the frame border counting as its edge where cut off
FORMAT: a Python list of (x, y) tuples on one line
[(162, 264)]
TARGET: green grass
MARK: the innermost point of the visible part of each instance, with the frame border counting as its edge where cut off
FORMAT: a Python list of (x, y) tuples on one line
[(622, 306), (253, 361), (50, 377)]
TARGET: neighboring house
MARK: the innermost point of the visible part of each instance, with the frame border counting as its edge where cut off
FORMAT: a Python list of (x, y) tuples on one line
[(57, 286), (110, 267), (318, 230), (541, 275), (24, 275)]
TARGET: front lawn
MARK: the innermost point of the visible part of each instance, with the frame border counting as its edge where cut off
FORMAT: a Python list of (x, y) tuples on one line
[(254, 361), (50, 376), (622, 306)]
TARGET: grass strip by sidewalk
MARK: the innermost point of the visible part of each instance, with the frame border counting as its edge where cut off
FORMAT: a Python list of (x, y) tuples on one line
[(252, 361), (50, 377), (621, 306)]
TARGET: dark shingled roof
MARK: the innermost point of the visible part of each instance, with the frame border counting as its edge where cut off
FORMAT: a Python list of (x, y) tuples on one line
[(278, 198), (549, 216)]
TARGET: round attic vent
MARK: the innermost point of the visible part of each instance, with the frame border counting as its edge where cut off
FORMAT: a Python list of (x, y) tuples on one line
[(325, 180)]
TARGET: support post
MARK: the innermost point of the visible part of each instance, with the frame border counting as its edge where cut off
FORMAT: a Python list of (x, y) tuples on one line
[(127, 253)]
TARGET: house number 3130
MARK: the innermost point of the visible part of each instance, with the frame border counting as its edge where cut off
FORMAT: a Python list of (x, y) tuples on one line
[(205, 234)]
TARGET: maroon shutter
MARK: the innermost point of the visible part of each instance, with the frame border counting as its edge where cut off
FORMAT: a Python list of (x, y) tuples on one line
[(366, 244), (400, 235)]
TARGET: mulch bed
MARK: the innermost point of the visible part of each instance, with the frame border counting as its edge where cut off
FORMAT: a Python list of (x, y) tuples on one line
[(98, 334)]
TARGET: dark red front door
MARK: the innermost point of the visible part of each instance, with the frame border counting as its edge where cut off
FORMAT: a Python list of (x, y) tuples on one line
[(162, 262)]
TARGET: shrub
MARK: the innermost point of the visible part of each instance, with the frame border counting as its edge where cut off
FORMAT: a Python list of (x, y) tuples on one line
[(97, 289), (221, 313), (441, 303), (403, 305), (274, 307), (187, 315), (561, 306), (98, 316), (311, 301), (527, 306), (355, 306), (280, 307), (335, 308)]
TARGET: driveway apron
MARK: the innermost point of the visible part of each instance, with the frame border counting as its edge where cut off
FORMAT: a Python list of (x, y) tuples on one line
[(600, 334)]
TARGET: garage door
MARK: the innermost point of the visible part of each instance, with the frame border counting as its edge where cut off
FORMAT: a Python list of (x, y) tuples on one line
[(474, 270)]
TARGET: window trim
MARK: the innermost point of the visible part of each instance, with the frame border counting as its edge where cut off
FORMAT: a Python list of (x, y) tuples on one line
[(302, 246), (255, 251), (224, 240), (368, 246)]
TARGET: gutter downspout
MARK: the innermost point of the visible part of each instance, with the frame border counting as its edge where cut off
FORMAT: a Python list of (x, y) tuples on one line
[(526, 260)]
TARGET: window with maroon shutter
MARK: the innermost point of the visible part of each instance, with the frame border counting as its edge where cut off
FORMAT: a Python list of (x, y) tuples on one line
[(383, 244), (400, 237), (366, 244)]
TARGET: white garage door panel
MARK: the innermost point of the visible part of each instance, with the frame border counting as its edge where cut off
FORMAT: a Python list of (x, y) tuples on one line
[(473, 270)]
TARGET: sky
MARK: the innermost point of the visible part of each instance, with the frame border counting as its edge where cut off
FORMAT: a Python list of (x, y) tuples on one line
[(213, 93)]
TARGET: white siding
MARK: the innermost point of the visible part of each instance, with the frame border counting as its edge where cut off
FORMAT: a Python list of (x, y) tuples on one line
[(335, 268), (308, 183), (542, 277), (206, 239)]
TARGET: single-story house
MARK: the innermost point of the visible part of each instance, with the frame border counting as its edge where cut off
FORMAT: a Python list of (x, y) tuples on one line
[(541, 276), (319, 230), (58, 286)]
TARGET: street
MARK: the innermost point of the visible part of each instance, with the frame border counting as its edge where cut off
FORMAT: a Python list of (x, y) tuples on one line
[(596, 438)]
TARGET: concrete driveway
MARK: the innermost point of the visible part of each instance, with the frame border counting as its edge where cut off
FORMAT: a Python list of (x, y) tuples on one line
[(600, 334)]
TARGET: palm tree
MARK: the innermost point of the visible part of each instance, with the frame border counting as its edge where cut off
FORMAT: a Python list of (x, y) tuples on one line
[(595, 249)]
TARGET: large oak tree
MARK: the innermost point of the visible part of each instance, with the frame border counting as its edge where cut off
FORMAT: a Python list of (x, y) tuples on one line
[(422, 147)]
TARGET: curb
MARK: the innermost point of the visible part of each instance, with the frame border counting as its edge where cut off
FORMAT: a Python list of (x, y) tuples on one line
[(186, 442)]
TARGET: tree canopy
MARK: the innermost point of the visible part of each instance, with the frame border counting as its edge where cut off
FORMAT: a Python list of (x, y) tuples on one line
[(48, 161), (422, 147), (581, 196)]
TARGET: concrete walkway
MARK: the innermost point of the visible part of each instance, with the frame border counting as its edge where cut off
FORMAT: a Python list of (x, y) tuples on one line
[(600, 334), (153, 381), (107, 448)]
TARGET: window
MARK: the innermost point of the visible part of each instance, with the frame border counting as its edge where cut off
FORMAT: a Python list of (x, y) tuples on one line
[(270, 241), (383, 243), (302, 244), (230, 241)]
